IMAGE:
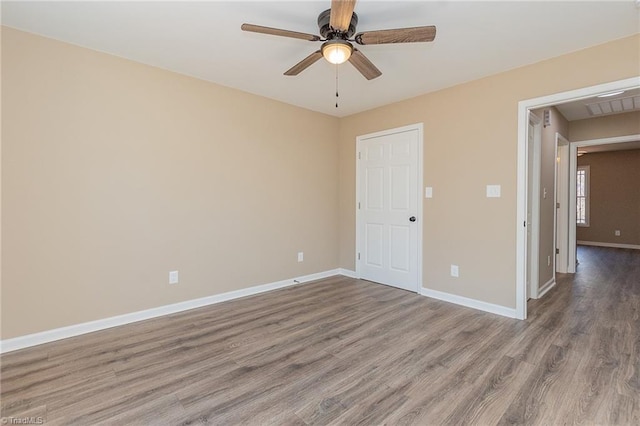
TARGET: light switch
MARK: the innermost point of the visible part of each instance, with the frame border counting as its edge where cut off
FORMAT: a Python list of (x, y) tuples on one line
[(428, 192), (493, 191)]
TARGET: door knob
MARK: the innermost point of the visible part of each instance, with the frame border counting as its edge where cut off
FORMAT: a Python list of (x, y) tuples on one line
[(412, 219)]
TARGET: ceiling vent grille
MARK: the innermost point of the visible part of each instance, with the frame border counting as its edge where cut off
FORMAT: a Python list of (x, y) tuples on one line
[(614, 106)]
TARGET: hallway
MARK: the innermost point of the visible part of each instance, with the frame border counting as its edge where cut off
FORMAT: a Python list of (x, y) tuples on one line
[(594, 316)]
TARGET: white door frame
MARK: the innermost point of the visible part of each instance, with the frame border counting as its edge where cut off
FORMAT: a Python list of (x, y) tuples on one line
[(521, 198), (534, 278), (561, 216), (573, 168), (420, 128)]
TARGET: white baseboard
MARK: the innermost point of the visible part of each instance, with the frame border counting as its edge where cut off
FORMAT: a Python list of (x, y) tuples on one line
[(347, 273), (29, 340), (470, 303), (546, 287), (614, 245)]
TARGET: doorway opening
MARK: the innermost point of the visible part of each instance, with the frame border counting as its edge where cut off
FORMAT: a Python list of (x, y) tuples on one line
[(522, 233), (582, 146)]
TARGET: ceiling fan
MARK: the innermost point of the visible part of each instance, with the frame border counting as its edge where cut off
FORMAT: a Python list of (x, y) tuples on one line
[(337, 26)]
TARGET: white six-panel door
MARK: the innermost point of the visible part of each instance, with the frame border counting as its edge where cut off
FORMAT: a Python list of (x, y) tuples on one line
[(388, 215)]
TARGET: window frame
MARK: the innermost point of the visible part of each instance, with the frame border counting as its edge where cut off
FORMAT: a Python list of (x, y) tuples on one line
[(586, 196)]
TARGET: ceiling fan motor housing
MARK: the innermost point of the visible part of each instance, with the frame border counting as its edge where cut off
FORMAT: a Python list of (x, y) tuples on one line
[(329, 33)]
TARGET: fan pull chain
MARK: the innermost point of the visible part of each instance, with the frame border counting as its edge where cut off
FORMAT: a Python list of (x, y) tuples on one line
[(337, 86)]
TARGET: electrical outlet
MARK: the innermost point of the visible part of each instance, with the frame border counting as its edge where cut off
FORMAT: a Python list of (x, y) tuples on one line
[(455, 272), (173, 277), (300, 256), (617, 232)]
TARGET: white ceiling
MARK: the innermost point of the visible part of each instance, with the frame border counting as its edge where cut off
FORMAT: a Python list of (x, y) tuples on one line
[(203, 39)]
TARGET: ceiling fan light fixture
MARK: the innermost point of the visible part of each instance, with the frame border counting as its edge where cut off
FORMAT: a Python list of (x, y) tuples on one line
[(337, 51)]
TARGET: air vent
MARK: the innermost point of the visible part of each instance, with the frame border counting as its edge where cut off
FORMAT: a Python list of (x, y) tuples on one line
[(614, 106)]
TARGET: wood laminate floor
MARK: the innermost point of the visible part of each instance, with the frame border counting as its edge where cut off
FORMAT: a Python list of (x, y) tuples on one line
[(344, 351)]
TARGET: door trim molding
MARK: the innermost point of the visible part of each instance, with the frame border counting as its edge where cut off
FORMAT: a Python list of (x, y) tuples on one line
[(561, 218), (359, 139), (521, 165), (546, 287), (535, 205)]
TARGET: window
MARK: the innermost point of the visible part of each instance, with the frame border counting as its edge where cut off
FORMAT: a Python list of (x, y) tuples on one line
[(582, 193)]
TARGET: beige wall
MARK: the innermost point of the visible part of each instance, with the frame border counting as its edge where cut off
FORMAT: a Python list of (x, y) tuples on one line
[(557, 124), (115, 173), (608, 126), (614, 197), (471, 141)]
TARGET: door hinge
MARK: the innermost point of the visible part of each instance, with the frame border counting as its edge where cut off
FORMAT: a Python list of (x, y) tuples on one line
[(525, 224), (557, 251), (358, 256), (557, 205), (359, 156), (358, 205)]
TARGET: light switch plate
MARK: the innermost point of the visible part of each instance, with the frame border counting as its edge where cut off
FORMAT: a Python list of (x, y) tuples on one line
[(428, 192), (493, 191)]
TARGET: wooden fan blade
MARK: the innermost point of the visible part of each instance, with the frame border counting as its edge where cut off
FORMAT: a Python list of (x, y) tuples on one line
[(278, 32), (341, 12), (364, 65), (400, 35), (304, 64)]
